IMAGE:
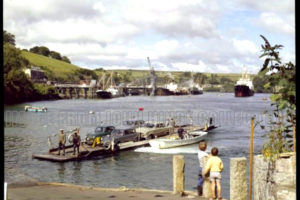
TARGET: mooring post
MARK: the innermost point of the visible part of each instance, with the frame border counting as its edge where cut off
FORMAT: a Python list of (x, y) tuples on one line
[(238, 183), (178, 174), (251, 158), (206, 183)]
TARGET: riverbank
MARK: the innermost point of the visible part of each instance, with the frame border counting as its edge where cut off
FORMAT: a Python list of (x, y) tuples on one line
[(56, 191)]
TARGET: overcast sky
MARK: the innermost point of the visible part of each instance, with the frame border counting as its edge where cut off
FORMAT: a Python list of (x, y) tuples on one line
[(216, 36)]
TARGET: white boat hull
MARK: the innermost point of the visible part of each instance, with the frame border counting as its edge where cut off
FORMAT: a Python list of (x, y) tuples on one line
[(170, 143)]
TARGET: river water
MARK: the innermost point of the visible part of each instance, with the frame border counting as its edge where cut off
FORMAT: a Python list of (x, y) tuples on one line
[(26, 133)]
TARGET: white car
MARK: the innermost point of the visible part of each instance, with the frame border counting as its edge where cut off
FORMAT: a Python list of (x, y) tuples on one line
[(151, 130)]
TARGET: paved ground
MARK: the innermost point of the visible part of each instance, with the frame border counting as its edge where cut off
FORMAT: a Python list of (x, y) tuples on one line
[(73, 192)]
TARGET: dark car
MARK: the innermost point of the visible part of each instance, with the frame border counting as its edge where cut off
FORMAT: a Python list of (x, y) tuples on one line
[(134, 123), (119, 136), (99, 131)]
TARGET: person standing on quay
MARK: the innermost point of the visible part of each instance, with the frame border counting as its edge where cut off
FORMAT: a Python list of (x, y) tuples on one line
[(61, 141), (214, 167), (201, 155)]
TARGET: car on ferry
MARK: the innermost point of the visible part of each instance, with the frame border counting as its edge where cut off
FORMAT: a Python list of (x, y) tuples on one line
[(151, 130), (120, 135), (100, 131)]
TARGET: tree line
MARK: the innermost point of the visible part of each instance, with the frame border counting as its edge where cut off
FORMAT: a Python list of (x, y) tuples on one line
[(17, 87), (44, 51)]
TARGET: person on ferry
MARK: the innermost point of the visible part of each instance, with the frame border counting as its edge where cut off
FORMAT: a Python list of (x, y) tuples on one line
[(180, 132), (61, 141), (76, 142)]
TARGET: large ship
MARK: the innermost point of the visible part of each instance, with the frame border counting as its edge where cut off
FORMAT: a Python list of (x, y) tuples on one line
[(244, 86)]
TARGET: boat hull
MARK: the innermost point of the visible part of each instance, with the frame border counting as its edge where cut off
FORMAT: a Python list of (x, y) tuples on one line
[(170, 143), (104, 94), (243, 91)]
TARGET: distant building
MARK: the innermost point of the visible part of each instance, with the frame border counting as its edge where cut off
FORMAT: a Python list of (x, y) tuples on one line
[(36, 74)]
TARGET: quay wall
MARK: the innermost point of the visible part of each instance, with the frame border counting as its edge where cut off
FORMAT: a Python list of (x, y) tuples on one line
[(275, 180)]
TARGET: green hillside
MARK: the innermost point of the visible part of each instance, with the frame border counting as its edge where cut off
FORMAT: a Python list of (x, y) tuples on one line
[(65, 72), (54, 69)]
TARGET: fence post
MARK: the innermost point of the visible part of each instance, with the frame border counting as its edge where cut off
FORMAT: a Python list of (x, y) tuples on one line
[(178, 174), (251, 158), (238, 183), (206, 184)]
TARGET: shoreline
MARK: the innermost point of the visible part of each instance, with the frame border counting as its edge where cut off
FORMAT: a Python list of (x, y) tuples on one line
[(56, 190)]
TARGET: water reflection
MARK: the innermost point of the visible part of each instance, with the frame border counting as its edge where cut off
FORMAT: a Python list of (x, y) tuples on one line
[(61, 171)]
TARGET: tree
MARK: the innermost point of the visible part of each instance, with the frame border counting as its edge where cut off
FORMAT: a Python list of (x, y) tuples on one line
[(66, 59), (8, 38), (282, 76), (44, 51), (55, 55), (259, 81), (213, 79), (13, 59)]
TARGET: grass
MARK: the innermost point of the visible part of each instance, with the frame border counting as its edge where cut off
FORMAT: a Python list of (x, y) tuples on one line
[(58, 68)]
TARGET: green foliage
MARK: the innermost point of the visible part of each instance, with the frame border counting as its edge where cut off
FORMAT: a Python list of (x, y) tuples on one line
[(213, 79), (99, 69), (13, 59), (261, 83), (66, 59), (44, 92), (283, 79), (44, 51), (17, 87), (8, 38), (212, 89), (55, 55), (87, 73), (59, 69)]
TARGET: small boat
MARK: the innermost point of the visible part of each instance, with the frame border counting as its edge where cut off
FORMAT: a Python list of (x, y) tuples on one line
[(173, 141), (35, 109)]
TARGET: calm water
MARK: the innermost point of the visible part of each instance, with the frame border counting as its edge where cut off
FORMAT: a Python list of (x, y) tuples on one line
[(143, 167)]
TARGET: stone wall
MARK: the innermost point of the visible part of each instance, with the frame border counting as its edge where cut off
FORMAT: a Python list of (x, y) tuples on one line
[(274, 181)]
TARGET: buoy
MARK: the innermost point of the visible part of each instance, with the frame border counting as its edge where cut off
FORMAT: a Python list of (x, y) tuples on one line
[(141, 108)]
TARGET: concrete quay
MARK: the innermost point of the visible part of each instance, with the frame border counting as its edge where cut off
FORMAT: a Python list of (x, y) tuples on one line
[(62, 191)]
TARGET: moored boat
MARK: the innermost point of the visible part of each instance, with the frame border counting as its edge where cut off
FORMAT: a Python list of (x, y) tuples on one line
[(174, 141), (35, 109)]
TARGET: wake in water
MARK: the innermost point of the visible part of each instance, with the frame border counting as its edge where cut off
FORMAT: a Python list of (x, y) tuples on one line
[(190, 149)]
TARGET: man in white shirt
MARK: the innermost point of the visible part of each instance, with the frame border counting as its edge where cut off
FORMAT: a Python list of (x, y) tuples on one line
[(201, 154)]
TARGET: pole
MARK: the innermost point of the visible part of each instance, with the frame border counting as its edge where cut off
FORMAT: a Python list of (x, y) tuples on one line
[(251, 158), (294, 138)]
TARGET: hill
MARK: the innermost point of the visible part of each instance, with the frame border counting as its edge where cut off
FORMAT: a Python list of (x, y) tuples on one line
[(54, 69), (65, 72)]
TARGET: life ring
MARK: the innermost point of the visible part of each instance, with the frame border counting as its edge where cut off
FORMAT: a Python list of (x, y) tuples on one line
[(70, 138)]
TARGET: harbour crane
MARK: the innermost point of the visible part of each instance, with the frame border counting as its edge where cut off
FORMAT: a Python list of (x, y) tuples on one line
[(153, 78)]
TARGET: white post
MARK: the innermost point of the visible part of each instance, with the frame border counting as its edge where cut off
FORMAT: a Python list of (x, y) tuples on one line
[(5, 191)]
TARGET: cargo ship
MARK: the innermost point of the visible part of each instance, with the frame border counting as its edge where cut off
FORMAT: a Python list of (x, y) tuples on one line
[(244, 86)]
